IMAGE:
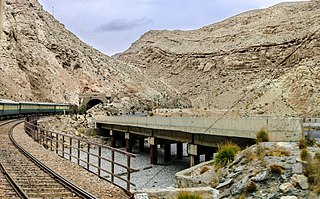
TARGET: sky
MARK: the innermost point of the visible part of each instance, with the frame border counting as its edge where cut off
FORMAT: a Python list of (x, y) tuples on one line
[(112, 26)]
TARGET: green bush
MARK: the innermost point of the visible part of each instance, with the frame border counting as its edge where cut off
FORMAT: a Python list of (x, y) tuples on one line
[(311, 170), (186, 195), (304, 154), (82, 110), (226, 154), (262, 136)]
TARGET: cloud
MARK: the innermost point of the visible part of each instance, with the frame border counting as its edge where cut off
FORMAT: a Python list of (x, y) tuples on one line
[(124, 24)]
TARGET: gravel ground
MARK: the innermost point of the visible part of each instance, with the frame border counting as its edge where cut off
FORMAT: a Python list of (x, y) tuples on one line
[(69, 170)]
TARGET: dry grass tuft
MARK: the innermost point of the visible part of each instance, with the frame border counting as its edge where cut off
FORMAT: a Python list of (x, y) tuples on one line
[(277, 152), (262, 136), (276, 169), (204, 169), (305, 155)]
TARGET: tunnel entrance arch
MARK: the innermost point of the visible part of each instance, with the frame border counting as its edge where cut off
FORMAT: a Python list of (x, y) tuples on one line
[(88, 100), (92, 103)]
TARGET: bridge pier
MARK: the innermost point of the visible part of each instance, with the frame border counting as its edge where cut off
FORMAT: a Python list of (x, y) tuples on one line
[(153, 150), (129, 142), (112, 138), (194, 156), (167, 152), (179, 150), (141, 145)]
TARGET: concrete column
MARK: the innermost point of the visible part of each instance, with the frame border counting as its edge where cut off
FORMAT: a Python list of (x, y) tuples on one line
[(167, 152), (194, 160), (129, 145), (129, 142), (153, 150), (179, 150), (112, 139), (141, 145), (194, 156)]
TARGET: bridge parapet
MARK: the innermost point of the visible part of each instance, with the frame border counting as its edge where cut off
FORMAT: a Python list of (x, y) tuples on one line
[(280, 129)]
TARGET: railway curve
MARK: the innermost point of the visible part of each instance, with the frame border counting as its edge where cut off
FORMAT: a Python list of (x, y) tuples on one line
[(23, 176)]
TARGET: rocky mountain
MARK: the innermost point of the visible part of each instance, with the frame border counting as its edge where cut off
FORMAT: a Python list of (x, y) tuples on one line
[(43, 61), (258, 62)]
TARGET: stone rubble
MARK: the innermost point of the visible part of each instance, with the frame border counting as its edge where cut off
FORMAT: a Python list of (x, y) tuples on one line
[(253, 167)]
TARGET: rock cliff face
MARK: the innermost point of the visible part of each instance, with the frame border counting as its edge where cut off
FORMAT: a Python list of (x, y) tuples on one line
[(42, 61), (258, 62)]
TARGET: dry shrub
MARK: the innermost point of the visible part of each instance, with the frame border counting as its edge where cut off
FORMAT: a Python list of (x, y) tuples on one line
[(302, 144), (305, 155), (276, 169), (311, 170), (260, 151), (187, 195), (204, 169), (262, 136), (277, 152), (249, 154), (250, 187)]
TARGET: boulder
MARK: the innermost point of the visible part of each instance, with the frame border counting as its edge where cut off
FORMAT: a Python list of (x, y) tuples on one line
[(238, 186), (289, 197), (300, 180), (285, 187), (261, 176), (297, 168)]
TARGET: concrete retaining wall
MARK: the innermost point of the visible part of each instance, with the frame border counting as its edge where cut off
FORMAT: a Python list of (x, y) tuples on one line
[(281, 129)]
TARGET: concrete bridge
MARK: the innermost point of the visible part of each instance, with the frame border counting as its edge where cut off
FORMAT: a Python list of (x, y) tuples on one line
[(89, 100), (201, 137)]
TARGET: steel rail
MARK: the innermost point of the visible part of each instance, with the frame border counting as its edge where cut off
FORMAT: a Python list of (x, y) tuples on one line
[(77, 190), (12, 183)]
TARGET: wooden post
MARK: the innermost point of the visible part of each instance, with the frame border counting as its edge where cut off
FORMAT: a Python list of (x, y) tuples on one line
[(63, 146), (112, 166), (70, 148), (128, 172), (88, 156), (78, 153), (99, 161), (57, 144)]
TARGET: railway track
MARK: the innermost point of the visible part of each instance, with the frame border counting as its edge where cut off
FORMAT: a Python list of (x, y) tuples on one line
[(23, 176)]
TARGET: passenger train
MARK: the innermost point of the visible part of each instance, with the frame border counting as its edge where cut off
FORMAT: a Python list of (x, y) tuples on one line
[(9, 108)]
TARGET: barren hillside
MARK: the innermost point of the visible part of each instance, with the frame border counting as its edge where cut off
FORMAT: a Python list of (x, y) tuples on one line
[(42, 61), (258, 62)]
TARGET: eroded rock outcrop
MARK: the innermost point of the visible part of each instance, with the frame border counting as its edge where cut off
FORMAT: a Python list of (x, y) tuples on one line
[(258, 62), (42, 61)]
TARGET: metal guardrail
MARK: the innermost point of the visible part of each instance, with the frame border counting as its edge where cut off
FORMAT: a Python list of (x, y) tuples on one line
[(72, 147)]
